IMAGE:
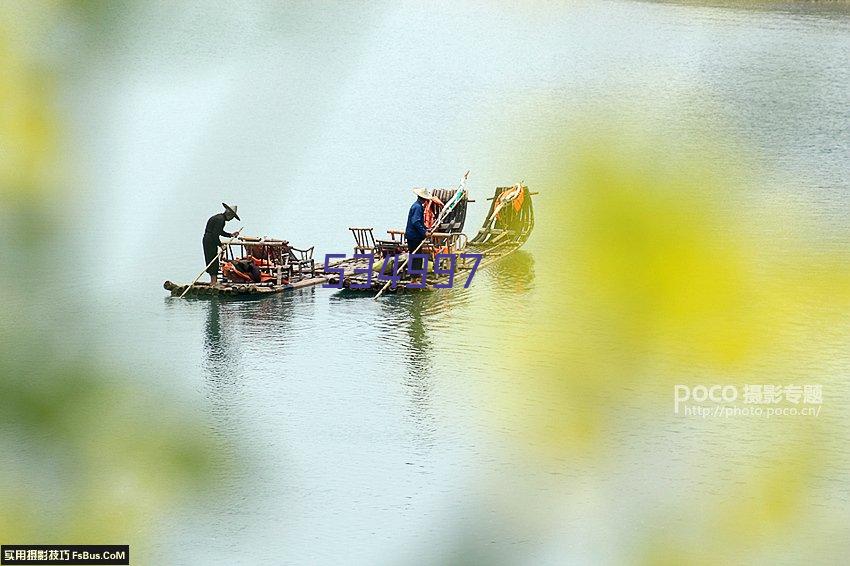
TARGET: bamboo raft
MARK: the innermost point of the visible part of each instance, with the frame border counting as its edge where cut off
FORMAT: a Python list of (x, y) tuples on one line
[(286, 269), (242, 290), (508, 225)]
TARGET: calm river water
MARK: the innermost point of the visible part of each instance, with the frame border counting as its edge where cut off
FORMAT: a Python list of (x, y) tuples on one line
[(361, 428)]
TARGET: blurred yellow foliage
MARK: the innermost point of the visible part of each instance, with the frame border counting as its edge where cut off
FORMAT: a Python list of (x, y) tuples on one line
[(27, 122), (654, 274), (654, 269)]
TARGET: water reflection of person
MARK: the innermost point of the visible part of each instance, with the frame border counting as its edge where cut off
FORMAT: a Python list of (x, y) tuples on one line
[(264, 321), (418, 353), (221, 358), (406, 315)]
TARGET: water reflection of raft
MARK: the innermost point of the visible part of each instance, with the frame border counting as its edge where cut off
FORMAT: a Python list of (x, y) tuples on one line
[(507, 227)]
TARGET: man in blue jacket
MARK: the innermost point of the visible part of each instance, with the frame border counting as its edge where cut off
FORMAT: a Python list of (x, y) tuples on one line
[(416, 231)]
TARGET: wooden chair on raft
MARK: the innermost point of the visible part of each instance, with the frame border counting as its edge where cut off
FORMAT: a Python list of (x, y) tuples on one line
[(396, 244), (364, 240), (302, 261), (273, 253), (445, 243)]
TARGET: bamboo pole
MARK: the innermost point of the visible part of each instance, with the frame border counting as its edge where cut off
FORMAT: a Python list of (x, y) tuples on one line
[(529, 192), (217, 256)]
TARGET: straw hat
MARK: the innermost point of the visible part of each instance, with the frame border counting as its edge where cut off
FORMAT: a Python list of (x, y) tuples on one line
[(231, 209), (424, 193)]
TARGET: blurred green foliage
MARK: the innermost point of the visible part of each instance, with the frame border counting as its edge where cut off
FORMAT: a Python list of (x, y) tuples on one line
[(88, 456)]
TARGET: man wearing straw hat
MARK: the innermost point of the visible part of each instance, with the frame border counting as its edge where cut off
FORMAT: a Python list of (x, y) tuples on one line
[(416, 230), (215, 229)]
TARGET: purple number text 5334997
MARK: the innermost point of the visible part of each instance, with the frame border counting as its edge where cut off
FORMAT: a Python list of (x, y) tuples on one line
[(444, 268)]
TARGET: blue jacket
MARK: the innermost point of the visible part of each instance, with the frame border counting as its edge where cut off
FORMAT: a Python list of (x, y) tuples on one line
[(415, 230)]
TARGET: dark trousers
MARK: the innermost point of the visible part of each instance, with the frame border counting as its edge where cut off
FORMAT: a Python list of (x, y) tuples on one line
[(415, 263), (211, 244)]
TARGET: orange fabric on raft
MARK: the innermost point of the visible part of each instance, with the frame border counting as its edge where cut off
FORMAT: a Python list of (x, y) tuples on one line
[(234, 274), (432, 211), (237, 276), (518, 200), (515, 194)]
